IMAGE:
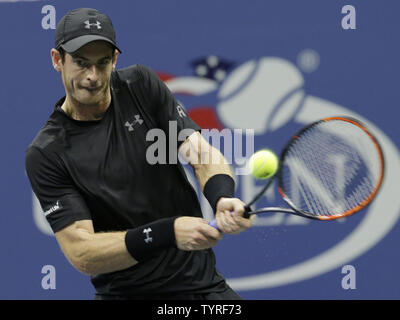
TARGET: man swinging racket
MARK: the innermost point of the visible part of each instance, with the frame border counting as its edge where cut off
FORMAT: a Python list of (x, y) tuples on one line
[(135, 227)]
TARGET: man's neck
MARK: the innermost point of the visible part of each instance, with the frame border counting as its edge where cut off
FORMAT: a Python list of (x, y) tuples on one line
[(85, 112)]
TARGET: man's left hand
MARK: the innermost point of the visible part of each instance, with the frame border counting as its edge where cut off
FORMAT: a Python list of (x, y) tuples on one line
[(229, 216)]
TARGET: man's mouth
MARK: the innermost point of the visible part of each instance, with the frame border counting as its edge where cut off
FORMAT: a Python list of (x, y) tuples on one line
[(91, 89)]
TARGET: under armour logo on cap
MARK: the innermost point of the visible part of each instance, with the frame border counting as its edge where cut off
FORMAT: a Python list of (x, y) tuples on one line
[(88, 25)]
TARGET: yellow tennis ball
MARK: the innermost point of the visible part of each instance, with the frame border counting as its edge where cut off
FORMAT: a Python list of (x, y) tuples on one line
[(263, 164)]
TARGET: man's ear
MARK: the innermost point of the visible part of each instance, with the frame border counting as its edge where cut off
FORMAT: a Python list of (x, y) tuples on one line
[(115, 57), (56, 59)]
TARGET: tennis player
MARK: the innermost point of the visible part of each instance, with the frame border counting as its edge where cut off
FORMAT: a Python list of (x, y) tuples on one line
[(136, 228)]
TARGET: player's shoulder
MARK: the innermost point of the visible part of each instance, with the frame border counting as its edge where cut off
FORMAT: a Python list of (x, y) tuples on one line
[(133, 73), (51, 132)]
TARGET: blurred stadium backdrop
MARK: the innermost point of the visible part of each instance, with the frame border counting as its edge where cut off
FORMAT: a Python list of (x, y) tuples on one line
[(269, 65)]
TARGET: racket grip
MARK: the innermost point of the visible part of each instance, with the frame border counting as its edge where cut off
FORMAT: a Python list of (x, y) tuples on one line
[(213, 224), (246, 215)]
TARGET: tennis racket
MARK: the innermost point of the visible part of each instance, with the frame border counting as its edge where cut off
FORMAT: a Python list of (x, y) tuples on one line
[(330, 169)]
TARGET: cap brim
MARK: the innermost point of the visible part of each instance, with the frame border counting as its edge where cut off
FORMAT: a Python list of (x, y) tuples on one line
[(79, 42)]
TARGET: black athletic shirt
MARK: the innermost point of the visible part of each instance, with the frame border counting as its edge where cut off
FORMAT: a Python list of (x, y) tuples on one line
[(98, 170)]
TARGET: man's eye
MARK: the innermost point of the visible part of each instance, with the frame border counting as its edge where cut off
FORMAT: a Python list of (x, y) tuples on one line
[(104, 62), (81, 63)]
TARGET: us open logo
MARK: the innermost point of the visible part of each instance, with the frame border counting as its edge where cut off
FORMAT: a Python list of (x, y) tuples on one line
[(268, 96)]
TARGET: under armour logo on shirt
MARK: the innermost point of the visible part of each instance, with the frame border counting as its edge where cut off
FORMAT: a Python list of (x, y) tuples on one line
[(130, 125), (88, 25), (148, 238)]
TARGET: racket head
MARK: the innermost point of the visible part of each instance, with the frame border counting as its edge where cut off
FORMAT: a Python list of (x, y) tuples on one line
[(331, 169)]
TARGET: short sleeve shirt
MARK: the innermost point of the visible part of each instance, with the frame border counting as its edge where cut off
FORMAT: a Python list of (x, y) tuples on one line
[(122, 172)]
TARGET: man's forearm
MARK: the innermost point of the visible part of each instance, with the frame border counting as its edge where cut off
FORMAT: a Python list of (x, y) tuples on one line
[(106, 252), (94, 253), (205, 160), (218, 165)]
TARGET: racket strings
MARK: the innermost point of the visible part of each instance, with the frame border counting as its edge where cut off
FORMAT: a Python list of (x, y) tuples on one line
[(330, 169), (310, 175)]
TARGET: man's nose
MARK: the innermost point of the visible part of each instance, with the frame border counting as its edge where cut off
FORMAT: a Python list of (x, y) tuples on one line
[(92, 74)]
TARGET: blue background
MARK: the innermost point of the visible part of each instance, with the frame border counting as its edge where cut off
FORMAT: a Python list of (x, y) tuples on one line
[(358, 69)]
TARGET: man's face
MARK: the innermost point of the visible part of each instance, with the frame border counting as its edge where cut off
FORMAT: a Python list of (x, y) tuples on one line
[(86, 73)]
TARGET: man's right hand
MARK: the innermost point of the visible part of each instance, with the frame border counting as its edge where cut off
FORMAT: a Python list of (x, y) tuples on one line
[(195, 234)]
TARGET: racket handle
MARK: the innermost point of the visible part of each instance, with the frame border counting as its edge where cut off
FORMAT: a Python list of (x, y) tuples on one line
[(213, 224), (246, 215)]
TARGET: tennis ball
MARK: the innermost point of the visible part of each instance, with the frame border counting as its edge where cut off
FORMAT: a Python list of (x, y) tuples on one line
[(263, 164)]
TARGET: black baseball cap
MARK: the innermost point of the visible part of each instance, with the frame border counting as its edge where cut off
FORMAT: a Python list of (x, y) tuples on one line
[(81, 26)]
